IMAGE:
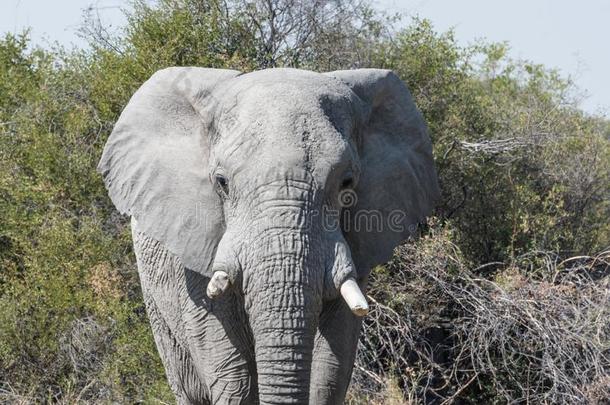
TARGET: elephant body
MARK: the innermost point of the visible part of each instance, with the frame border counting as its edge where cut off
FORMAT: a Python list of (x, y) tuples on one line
[(189, 330), (259, 204)]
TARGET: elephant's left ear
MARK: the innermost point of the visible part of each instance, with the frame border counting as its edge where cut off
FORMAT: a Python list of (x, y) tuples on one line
[(398, 183)]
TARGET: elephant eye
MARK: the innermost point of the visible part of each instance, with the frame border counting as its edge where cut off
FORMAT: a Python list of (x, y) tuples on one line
[(222, 185), (347, 183)]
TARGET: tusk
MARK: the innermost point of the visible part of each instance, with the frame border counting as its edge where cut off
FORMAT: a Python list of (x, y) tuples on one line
[(354, 298), (219, 283)]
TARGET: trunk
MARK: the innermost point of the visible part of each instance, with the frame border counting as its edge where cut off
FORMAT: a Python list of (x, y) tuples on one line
[(283, 299), (283, 348)]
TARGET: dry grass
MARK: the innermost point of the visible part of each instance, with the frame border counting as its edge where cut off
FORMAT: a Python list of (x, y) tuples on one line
[(105, 281), (535, 330)]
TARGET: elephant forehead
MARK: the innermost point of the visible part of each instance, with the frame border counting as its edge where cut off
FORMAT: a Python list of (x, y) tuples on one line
[(278, 96), (304, 117), (296, 78)]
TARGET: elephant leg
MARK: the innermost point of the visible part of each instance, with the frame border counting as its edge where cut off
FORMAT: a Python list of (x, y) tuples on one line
[(219, 342), (180, 371), (334, 353), (158, 280), (204, 345)]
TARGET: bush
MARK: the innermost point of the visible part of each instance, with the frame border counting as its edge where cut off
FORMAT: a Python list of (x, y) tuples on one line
[(535, 331)]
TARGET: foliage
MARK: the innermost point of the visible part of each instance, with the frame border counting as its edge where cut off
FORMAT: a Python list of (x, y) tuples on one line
[(466, 313), (65, 258), (521, 167)]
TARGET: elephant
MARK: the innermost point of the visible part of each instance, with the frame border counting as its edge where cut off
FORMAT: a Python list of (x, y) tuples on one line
[(259, 204)]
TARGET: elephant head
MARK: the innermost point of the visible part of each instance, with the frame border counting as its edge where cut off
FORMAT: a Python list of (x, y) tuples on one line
[(282, 186)]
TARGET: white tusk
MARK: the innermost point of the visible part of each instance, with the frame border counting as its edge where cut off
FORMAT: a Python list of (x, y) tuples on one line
[(354, 298), (219, 283)]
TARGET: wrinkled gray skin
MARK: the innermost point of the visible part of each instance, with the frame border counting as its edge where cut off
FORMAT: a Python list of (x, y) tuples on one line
[(231, 177)]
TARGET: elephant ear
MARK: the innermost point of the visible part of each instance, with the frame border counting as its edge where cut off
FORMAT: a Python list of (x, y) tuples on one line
[(398, 184), (155, 162)]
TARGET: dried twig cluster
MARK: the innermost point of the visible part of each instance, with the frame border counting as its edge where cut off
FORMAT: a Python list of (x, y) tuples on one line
[(534, 331)]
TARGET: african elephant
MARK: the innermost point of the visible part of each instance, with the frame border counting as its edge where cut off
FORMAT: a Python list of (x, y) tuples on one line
[(259, 204)]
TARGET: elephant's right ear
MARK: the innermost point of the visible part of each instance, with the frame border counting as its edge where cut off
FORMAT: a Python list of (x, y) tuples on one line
[(398, 182), (155, 163)]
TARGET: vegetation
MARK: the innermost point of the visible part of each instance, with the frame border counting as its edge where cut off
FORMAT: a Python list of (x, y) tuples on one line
[(504, 298)]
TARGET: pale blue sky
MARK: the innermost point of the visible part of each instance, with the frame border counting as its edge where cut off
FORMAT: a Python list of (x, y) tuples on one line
[(571, 36)]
